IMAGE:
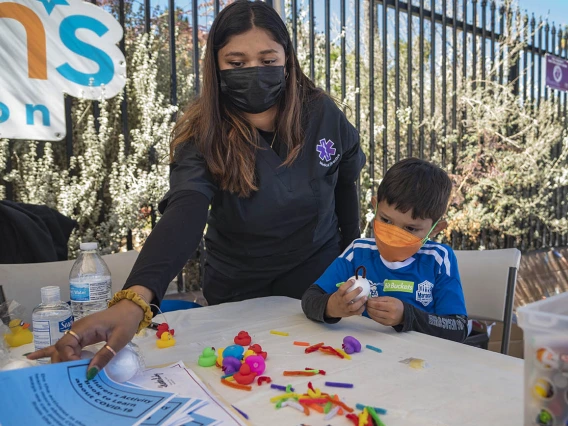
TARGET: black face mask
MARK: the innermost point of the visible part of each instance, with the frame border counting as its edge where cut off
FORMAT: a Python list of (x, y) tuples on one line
[(253, 89)]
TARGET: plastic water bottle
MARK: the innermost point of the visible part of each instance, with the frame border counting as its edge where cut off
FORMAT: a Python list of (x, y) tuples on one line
[(51, 318), (90, 282)]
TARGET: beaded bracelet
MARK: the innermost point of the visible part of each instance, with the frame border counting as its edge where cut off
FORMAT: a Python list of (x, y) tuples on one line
[(139, 300)]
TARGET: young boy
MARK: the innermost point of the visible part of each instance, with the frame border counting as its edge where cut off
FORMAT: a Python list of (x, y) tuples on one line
[(415, 283)]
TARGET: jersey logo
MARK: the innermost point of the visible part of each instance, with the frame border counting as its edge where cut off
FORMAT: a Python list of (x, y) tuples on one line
[(375, 289), (326, 152), (424, 293), (398, 285)]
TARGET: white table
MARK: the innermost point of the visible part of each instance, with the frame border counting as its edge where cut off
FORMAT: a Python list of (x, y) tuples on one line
[(463, 385)]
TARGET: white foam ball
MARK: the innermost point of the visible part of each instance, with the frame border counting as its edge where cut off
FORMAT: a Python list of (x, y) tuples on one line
[(362, 283), (124, 365)]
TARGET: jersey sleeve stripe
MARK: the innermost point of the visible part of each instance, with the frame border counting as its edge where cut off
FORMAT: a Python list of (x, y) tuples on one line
[(446, 255), (436, 256)]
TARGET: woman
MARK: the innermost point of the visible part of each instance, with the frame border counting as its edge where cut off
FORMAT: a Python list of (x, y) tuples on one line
[(277, 162)]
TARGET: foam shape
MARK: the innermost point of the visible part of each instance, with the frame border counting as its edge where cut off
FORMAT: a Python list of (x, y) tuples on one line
[(351, 345), (360, 281), (124, 365)]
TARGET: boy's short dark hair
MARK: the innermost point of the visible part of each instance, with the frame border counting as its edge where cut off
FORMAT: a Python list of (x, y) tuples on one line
[(417, 185)]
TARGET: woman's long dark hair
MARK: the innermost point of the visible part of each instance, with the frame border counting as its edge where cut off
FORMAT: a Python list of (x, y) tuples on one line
[(220, 131)]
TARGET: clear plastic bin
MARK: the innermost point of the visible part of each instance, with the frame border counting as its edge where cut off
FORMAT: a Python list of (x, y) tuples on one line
[(545, 326)]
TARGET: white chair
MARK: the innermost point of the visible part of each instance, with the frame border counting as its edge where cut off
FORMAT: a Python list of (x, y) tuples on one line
[(22, 282), (488, 280)]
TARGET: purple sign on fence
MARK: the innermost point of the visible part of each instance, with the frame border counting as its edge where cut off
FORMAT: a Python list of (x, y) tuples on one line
[(556, 73)]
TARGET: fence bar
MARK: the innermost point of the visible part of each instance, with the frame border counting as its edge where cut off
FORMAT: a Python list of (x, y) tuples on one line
[(493, 29), (546, 44), (216, 7), (532, 222), (372, 94), (409, 49), (474, 45), (147, 16), (421, 83), (455, 66), (124, 103), (565, 114), (294, 5), (357, 74), (533, 61), (195, 36), (525, 58), (397, 79), (501, 44), (172, 34), (483, 40), (343, 53), (327, 48), (312, 40), (539, 86), (385, 87), (432, 74), (357, 64), (465, 35), (557, 148), (553, 51), (444, 77)]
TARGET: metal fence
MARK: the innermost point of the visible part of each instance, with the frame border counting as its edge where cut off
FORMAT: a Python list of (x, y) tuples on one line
[(456, 39)]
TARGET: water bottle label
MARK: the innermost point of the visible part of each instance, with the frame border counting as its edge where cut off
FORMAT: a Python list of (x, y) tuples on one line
[(42, 334), (79, 292), (90, 292), (65, 324)]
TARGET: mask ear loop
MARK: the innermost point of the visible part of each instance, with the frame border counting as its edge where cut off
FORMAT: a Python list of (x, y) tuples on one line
[(430, 232)]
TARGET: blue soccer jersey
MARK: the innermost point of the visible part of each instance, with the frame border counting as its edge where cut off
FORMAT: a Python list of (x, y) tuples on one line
[(429, 280)]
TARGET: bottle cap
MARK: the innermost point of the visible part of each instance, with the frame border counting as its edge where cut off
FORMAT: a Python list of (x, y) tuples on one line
[(89, 246), (50, 295)]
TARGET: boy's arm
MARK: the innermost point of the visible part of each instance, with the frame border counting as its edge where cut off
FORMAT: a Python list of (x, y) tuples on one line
[(451, 327), (316, 297), (450, 318), (314, 303)]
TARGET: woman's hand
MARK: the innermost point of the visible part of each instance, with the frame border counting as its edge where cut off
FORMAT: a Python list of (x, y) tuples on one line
[(116, 326), (342, 304)]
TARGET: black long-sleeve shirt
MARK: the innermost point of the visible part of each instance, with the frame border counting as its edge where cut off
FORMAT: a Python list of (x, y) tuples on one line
[(290, 211), (451, 327)]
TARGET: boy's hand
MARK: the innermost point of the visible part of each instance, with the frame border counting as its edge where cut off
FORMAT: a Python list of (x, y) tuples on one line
[(386, 310), (342, 304)]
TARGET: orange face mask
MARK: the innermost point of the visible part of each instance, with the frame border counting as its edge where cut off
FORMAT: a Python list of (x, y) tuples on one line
[(394, 243)]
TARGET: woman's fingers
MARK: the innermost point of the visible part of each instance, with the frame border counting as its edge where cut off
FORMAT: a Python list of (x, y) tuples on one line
[(42, 353)]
